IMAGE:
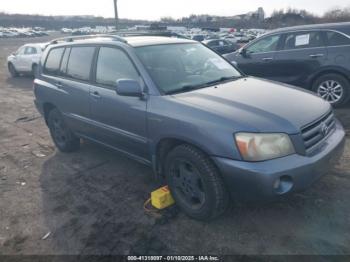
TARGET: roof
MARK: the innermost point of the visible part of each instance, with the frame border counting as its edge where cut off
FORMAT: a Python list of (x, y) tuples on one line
[(342, 27), (37, 44), (40, 45), (136, 41)]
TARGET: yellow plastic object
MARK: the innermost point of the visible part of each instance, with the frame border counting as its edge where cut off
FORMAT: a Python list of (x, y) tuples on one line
[(161, 198)]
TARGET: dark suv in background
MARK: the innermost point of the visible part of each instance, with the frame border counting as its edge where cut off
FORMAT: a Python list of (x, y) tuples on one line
[(315, 57)]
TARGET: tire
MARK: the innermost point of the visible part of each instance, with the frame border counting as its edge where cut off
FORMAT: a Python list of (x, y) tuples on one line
[(62, 136), (330, 86), (35, 70), (195, 183), (12, 70)]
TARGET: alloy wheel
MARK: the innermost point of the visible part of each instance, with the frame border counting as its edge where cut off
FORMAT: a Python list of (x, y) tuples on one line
[(331, 91)]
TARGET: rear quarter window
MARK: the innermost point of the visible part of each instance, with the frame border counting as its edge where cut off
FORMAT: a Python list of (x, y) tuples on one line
[(336, 39), (53, 61), (79, 63)]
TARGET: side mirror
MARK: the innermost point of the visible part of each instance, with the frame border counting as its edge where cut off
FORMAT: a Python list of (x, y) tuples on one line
[(243, 52), (128, 87)]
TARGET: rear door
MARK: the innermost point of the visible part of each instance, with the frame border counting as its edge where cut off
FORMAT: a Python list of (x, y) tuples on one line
[(72, 85), (302, 54), (119, 121), (259, 57)]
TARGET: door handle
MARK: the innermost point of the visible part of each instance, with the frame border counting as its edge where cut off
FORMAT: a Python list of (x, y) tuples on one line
[(59, 85), (96, 95), (316, 55), (266, 59)]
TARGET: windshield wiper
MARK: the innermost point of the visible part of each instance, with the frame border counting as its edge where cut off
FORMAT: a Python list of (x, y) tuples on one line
[(222, 79), (187, 88)]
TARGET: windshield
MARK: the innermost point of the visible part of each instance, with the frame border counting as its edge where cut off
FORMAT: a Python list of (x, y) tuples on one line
[(182, 67)]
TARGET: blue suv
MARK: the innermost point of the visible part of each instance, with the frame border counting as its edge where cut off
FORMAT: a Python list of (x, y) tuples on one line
[(207, 130)]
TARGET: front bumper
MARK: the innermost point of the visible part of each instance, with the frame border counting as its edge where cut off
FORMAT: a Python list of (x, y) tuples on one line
[(256, 181)]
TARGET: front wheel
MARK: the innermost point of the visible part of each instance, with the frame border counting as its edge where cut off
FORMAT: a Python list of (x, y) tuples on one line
[(62, 136), (333, 88), (12, 70), (195, 183)]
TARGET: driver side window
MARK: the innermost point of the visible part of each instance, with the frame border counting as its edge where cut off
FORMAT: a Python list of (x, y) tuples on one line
[(20, 51), (267, 44)]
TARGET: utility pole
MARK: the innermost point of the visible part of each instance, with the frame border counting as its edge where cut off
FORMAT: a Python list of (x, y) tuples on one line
[(116, 14)]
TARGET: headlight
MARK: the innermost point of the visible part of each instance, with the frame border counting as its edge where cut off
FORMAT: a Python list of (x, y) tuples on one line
[(259, 147)]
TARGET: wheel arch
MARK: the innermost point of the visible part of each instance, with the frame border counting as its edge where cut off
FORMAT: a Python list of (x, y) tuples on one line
[(47, 107), (164, 146), (338, 71), (10, 63)]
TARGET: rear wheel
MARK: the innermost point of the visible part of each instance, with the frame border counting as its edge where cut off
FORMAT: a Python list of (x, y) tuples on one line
[(333, 88), (12, 70), (195, 183), (62, 136)]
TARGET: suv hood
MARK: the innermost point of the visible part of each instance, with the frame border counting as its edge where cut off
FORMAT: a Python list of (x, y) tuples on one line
[(257, 105)]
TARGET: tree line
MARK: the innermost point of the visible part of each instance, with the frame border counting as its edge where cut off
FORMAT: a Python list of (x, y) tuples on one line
[(279, 18)]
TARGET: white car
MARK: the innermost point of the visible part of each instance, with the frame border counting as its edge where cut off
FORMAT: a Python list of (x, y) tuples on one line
[(25, 59)]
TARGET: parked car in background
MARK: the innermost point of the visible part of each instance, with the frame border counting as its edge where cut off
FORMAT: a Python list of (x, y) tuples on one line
[(198, 38), (315, 57), (221, 46), (175, 105), (25, 59), (8, 34), (21, 32)]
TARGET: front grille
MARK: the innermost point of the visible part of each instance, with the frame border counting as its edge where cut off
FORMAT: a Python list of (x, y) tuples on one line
[(314, 133)]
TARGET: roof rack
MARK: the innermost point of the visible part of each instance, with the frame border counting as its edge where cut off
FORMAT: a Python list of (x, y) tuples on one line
[(82, 37), (146, 33)]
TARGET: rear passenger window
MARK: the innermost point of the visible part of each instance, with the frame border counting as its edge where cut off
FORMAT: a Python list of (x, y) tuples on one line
[(335, 39), (114, 64), (53, 61), (303, 40), (79, 64)]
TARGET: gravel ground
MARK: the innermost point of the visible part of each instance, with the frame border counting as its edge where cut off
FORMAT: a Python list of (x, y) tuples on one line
[(91, 202)]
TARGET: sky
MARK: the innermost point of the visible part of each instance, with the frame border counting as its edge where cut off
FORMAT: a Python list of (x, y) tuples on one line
[(155, 9)]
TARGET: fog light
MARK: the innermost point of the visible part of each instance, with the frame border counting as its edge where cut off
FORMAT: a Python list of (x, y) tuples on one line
[(283, 184)]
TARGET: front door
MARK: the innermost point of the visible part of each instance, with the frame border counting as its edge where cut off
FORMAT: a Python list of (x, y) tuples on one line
[(258, 59), (119, 121), (18, 60)]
